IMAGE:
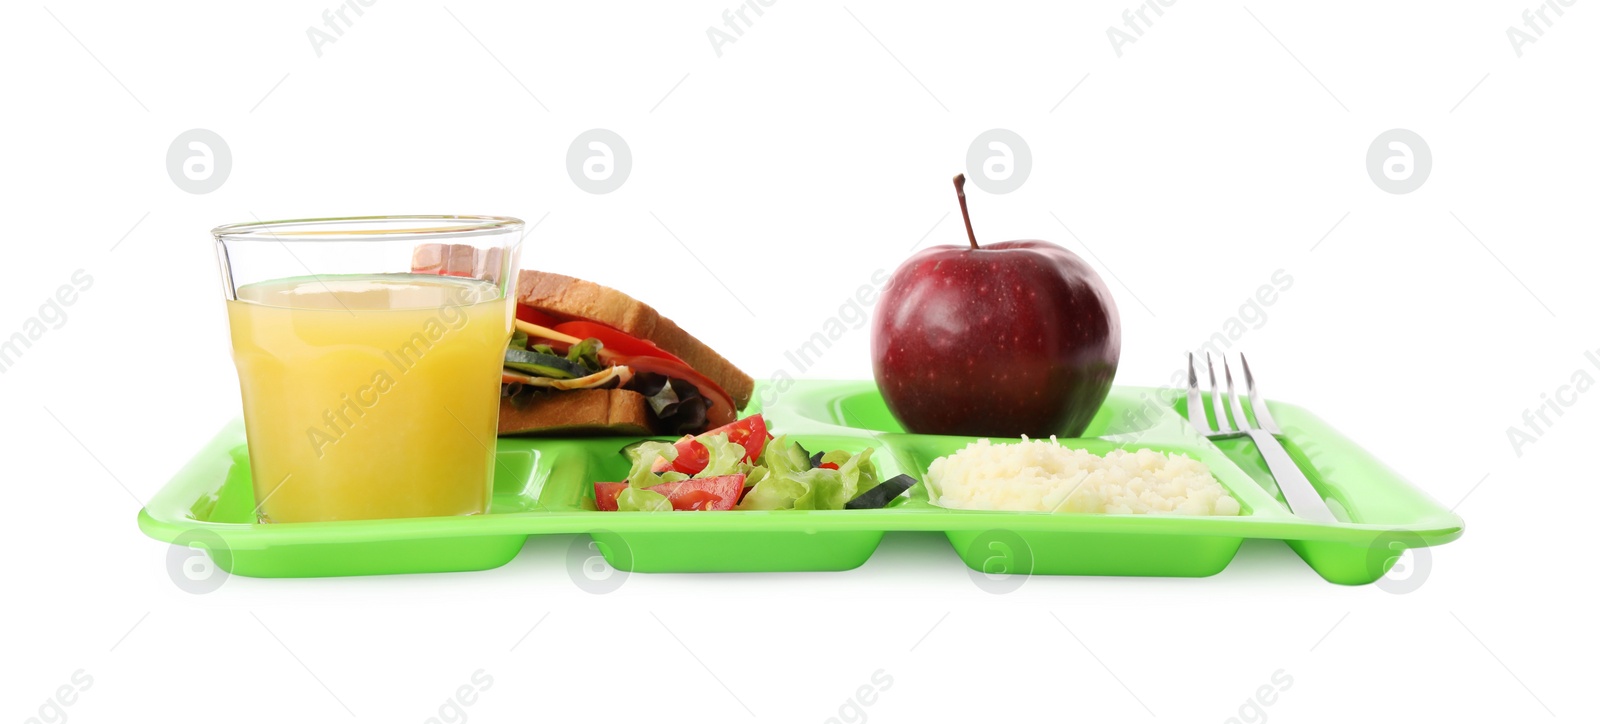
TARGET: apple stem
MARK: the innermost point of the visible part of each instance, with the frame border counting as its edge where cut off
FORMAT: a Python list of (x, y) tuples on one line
[(961, 195)]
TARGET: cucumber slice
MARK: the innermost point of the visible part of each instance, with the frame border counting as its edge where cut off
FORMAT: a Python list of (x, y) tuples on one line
[(544, 365)]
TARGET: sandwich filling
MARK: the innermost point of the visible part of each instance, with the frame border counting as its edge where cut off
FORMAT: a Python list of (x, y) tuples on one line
[(578, 355)]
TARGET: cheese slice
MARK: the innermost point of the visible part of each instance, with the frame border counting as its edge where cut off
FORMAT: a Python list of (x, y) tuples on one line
[(621, 373)]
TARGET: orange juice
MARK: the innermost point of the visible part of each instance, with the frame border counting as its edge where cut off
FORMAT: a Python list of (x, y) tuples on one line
[(370, 396)]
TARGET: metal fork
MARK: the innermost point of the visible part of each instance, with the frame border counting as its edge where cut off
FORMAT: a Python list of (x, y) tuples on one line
[(1302, 497)]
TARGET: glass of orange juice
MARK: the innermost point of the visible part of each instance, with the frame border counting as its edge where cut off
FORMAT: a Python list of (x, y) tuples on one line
[(369, 352)]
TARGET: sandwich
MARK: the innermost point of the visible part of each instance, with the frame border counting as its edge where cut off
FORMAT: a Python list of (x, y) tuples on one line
[(586, 359)]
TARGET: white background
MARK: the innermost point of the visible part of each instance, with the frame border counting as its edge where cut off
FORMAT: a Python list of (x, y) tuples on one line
[(816, 149)]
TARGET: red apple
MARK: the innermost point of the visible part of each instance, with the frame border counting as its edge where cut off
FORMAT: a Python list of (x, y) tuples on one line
[(1008, 339)]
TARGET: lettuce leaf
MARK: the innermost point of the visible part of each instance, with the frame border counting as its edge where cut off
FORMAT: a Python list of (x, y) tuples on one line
[(837, 457), (863, 472), (830, 489), (639, 499), (784, 456), (825, 490), (644, 457), (771, 492), (787, 479), (723, 457), (587, 353)]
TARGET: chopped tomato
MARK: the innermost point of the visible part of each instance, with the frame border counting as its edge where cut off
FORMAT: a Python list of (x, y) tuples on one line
[(750, 432), (718, 493), (829, 466), (724, 488), (614, 339), (691, 459), (605, 495), (696, 500)]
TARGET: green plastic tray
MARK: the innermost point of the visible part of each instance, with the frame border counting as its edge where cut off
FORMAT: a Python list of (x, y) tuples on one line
[(544, 486)]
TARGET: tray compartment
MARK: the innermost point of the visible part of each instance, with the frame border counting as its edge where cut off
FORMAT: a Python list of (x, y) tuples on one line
[(857, 406), (1087, 543), (1381, 516), (719, 542), (317, 560), (736, 551), (1093, 553), (210, 504)]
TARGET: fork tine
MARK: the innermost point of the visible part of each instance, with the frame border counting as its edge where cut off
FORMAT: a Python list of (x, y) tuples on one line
[(1220, 412), (1258, 404), (1197, 409), (1239, 419)]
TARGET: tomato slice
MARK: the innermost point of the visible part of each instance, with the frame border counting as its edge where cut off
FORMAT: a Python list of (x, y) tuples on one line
[(533, 316), (615, 340), (750, 432), (718, 493)]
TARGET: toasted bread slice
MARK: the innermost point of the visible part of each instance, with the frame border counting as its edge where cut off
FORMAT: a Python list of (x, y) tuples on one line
[(575, 412), (569, 298)]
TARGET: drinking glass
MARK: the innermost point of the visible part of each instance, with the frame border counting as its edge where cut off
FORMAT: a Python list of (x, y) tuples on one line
[(369, 352)]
